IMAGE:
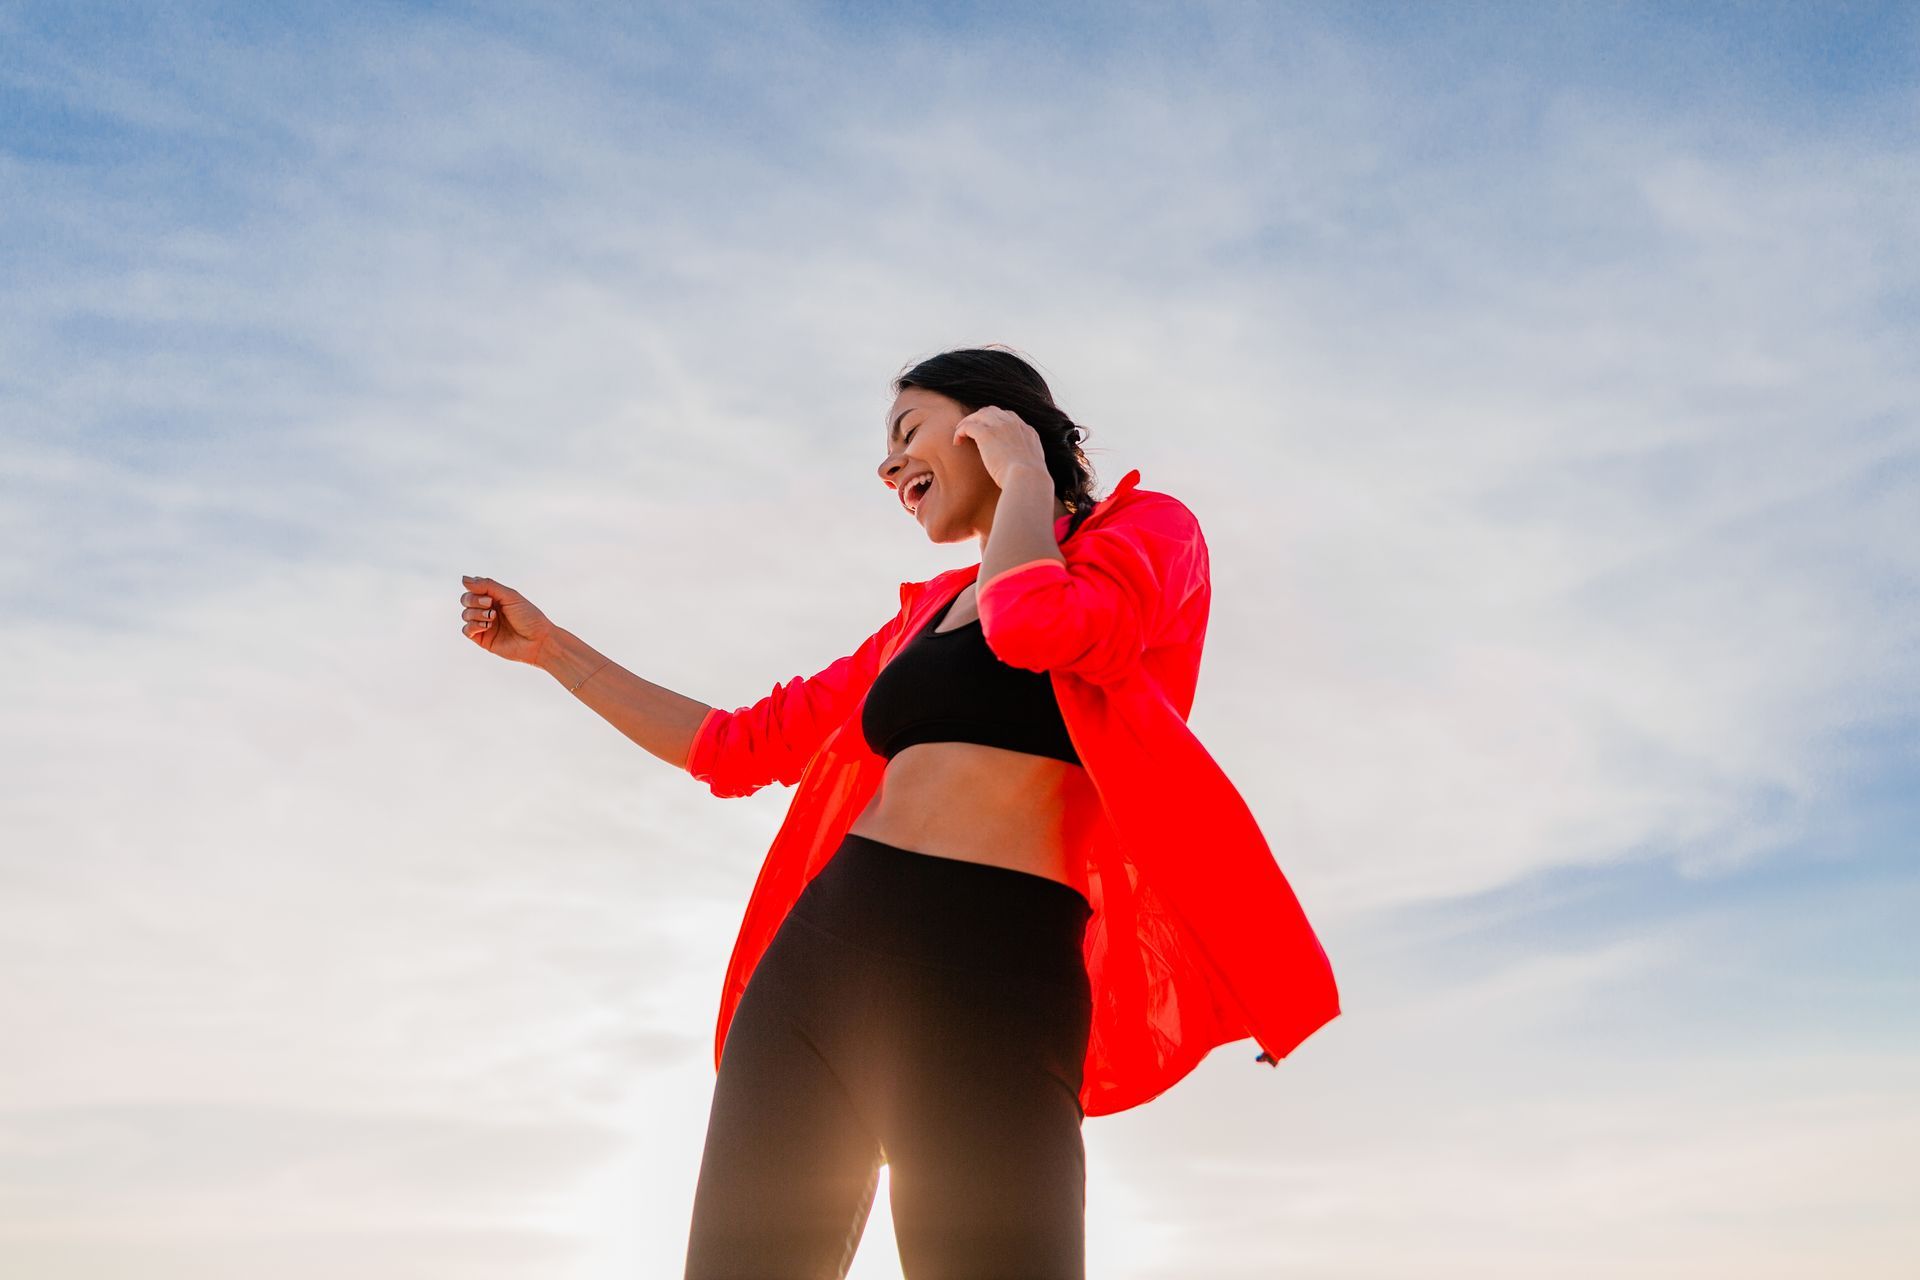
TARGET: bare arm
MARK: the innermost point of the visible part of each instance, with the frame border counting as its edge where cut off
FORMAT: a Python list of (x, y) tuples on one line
[(649, 715)]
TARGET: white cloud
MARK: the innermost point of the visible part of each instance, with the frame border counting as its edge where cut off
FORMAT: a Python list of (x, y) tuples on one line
[(1559, 493)]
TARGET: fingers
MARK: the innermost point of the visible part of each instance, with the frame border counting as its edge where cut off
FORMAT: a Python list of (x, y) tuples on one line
[(480, 591), (478, 612)]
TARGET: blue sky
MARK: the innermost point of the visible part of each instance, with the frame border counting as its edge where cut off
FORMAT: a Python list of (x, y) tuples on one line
[(1541, 376)]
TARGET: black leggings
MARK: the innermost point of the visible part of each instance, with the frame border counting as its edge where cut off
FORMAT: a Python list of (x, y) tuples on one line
[(924, 1012)]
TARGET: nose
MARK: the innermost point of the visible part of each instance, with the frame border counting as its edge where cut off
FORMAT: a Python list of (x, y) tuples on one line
[(890, 468)]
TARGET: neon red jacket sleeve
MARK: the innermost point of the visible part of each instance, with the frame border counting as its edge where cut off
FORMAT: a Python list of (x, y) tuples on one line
[(1111, 600), (738, 752)]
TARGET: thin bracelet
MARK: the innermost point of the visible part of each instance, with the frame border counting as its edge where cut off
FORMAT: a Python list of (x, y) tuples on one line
[(590, 675)]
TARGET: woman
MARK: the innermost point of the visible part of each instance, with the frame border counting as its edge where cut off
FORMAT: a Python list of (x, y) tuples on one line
[(1012, 889)]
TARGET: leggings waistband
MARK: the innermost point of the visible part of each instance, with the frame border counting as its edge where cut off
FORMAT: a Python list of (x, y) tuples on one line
[(946, 911)]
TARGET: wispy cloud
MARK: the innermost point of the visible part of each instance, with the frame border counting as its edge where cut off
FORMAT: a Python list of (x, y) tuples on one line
[(1551, 418)]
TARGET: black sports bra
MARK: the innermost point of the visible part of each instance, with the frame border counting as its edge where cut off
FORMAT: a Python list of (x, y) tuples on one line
[(950, 687)]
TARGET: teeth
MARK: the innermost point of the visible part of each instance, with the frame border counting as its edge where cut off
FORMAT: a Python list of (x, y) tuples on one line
[(913, 498)]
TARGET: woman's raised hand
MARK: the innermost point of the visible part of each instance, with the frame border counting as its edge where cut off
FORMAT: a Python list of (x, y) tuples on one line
[(502, 621)]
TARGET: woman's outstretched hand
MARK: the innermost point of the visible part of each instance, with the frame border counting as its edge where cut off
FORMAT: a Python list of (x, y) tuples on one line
[(502, 621)]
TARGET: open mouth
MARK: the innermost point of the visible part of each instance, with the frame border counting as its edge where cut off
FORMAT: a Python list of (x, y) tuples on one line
[(916, 492)]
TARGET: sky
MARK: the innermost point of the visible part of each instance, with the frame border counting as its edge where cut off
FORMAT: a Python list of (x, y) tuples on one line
[(1541, 375)]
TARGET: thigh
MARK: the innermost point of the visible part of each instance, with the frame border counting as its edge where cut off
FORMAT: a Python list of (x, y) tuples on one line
[(983, 1127), (789, 1169)]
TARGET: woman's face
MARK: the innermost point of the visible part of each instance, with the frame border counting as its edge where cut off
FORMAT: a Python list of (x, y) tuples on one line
[(920, 441)]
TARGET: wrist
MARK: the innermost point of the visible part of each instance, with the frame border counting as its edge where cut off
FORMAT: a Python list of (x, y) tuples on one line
[(557, 652), (1029, 477)]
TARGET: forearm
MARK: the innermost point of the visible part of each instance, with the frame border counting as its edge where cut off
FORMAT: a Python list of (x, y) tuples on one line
[(1022, 525), (649, 715)]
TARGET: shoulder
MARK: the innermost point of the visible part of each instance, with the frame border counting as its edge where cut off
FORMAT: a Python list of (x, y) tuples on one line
[(1151, 513)]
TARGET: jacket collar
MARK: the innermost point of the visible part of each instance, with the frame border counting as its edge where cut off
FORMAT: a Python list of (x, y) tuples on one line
[(1128, 482)]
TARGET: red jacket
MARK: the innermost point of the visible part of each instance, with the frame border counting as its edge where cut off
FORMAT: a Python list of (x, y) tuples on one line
[(1196, 938)]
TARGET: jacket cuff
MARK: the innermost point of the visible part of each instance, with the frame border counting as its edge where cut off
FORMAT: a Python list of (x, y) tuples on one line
[(1059, 564), (706, 739)]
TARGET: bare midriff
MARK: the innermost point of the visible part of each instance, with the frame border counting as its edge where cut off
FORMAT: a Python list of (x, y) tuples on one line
[(984, 804)]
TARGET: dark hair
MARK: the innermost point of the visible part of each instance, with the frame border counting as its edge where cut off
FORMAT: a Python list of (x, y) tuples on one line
[(979, 376)]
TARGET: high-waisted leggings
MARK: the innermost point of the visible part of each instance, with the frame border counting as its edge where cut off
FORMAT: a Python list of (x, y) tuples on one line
[(927, 1013)]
